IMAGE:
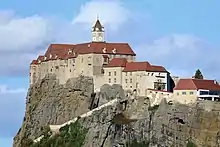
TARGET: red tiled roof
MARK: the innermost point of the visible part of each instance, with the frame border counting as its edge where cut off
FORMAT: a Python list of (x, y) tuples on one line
[(134, 66), (143, 66), (34, 62), (59, 51), (65, 51), (157, 68), (40, 58), (104, 48), (137, 66), (195, 84), (117, 62)]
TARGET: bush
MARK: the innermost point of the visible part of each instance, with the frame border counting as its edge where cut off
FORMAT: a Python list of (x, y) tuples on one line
[(190, 144), (69, 135)]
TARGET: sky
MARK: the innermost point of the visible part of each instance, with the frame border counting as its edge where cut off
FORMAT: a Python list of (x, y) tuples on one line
[(179, 35)]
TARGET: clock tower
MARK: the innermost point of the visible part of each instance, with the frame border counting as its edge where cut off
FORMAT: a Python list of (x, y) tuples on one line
[(98, 32)]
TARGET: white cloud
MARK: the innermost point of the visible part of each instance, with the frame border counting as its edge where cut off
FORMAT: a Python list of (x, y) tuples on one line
[(18, 34), (111, 12), (4, 89), (22, 38), (182, 54)]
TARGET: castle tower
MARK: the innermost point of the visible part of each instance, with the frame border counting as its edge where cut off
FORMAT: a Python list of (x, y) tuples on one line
[(98, 32)]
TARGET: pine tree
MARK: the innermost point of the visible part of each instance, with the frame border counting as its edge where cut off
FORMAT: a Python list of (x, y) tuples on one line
[(198, 74)]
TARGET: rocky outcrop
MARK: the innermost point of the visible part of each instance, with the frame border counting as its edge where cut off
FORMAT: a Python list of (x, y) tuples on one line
[(48, 103), (130, 119)]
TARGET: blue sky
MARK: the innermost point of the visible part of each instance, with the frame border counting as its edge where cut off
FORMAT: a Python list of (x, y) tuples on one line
[(180, 35)]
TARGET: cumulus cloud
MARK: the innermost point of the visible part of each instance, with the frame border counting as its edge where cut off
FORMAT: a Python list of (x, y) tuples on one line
[(111, 12), (182, 54), (19, 34), (23, 38)]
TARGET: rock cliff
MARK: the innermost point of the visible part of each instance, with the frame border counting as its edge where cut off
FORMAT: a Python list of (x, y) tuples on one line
[(130, 119)]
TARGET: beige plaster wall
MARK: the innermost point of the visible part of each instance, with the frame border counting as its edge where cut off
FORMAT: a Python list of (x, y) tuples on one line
[(190, 96)]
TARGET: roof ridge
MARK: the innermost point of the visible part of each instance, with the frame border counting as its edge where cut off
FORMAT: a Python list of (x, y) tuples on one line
[(194, 83)]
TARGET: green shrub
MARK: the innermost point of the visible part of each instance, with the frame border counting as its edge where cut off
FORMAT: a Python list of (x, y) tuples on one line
[(69, 136), (190, 144)]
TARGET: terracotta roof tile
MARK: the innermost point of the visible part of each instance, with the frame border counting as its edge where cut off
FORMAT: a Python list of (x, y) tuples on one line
[(157, 68), (117, 62), (143, 66), (34, 62), (195, 84), (65, 51), (136, 66), (104, 48), (40, 58), (60, 51)]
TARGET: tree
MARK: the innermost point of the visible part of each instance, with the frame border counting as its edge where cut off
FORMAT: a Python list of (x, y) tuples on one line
[(198, 74)]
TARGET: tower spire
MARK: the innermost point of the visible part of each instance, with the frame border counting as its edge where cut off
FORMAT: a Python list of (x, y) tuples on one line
[(98, 31)]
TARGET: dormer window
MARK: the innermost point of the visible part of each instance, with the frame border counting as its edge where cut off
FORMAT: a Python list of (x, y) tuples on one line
[(45, 58), (55, 56), (70, 51), (96, 29), (114, 50), (88, 45), (50, 56), (104, 50)]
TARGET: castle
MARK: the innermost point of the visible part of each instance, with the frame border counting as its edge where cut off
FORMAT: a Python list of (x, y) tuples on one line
[(107, 63)]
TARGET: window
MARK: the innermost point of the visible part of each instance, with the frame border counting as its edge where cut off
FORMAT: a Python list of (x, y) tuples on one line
[(109, 80), (152, 74), (105, 60), (126, 73), (130, 80), (183, 93), (178, 93), (109, 73), (82, 60), (126, 80), (89, 59), (114, 80), (191, 92), (51, 70), (70, 70), (130, 73), (130, 86), (115, 73)]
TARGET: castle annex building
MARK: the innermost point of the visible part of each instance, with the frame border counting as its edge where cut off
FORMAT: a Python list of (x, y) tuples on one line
[(107, 63)]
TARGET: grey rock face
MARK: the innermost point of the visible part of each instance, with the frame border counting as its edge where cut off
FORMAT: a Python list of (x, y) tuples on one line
[(130, 119), (50, 103)]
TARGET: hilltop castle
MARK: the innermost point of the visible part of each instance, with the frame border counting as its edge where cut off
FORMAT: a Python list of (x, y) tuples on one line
[(107, 63)]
